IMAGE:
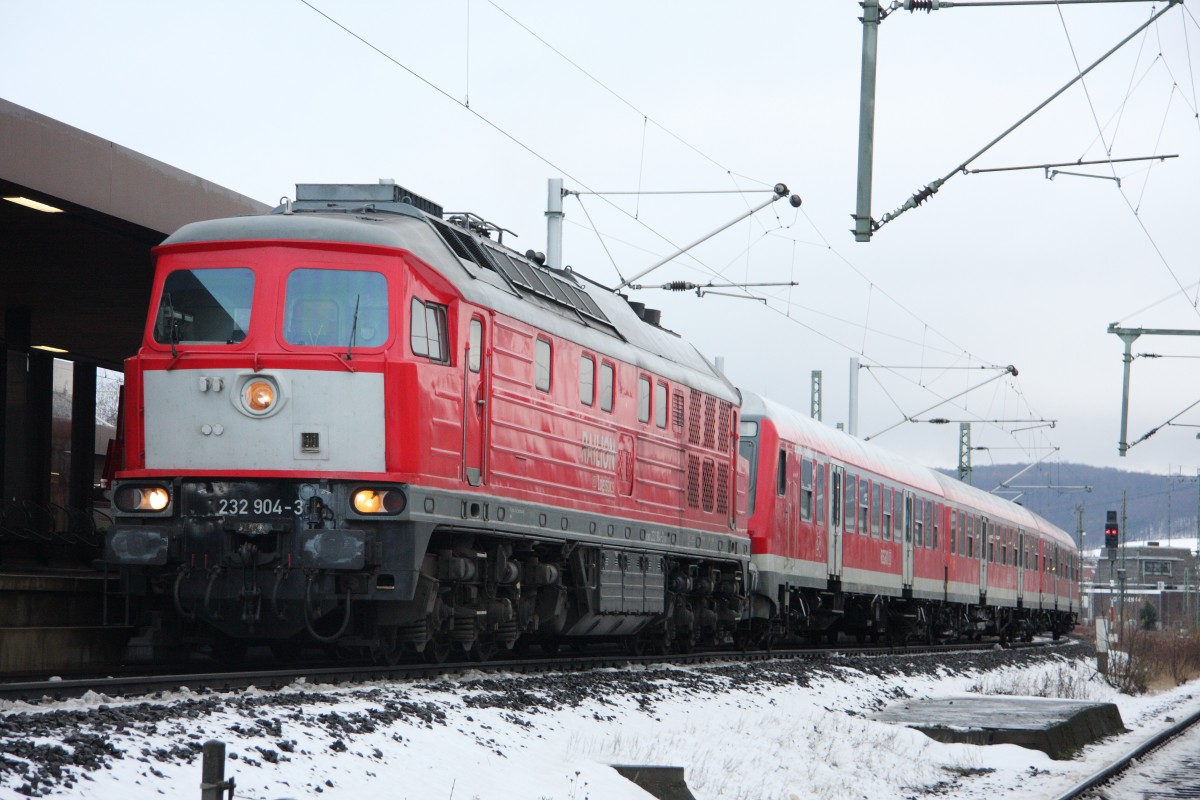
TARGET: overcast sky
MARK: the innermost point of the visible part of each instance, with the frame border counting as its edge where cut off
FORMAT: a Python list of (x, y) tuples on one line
[(475, 104)]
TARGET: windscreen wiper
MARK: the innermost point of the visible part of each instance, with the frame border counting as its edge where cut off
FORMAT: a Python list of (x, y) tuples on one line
[(353, 329)]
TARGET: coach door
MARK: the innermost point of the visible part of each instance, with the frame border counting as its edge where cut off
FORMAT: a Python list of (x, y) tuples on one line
[(475, 399), (837, 494), (906, 575)]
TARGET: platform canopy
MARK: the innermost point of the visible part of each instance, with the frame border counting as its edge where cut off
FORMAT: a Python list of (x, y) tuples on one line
[(82, 275)]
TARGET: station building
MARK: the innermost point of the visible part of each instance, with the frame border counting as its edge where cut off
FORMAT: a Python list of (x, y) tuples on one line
[(78, 219)]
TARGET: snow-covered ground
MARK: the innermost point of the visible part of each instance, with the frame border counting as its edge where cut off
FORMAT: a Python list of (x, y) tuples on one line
[(778, 729)]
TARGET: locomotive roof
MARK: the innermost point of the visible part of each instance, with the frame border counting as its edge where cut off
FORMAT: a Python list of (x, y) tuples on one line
[(808, 432), (603, 322)]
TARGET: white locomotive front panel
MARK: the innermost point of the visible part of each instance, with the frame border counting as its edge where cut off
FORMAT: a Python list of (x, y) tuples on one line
[(208, 419)]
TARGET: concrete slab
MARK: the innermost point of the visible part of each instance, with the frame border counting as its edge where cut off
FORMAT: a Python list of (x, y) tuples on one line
[(1059, 728)]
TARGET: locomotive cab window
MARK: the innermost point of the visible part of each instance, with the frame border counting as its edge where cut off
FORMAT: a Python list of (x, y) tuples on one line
[(587, 380), (336, 308), (429, 332), (209, 306), (541, 365)]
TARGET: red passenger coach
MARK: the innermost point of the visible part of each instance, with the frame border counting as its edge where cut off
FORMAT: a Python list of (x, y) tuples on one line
[(353, 421), (848, 538)]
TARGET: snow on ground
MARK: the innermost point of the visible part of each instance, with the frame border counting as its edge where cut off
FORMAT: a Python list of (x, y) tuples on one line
[(777, 729)]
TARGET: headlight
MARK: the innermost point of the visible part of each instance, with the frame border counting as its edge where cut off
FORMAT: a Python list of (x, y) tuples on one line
[(378, 501), (258, 396), (142, 498)]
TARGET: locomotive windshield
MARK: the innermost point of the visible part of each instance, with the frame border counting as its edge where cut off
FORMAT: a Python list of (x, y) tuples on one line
[(336, 307), (210, 306)]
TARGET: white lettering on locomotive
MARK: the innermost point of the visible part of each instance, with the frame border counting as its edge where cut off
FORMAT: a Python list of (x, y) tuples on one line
[(599, 451)]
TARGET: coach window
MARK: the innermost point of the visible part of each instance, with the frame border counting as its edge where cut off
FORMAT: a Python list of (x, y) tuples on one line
[(660, 405), (541, 365), (864, 507), (820, 493), (606, 386), (919, 517), (930, 525), (429, 331), (953, 531), (587, 380), (991, 540), (205, 305), (1004, 546), (887, 513), (475, 343), (781, 474), (969, 532), (851, 505), (878, 508), (643, 399), (806, 488)]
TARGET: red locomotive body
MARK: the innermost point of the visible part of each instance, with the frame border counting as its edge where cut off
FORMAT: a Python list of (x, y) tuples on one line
[(352, 421), (847, 538)]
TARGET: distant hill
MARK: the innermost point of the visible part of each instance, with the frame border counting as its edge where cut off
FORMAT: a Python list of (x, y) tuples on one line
[(1159, 507)]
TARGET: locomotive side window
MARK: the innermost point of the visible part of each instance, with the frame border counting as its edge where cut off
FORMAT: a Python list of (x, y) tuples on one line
[(339, 308), (806, 488), (205, 305), (541, 365), (606, 386), (643, 399), (475, 358), (660, 405), (587, 380), (429, 332)]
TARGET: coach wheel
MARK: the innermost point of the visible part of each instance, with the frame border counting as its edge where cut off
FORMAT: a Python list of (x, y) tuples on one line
[(285, 652), (229, 651)]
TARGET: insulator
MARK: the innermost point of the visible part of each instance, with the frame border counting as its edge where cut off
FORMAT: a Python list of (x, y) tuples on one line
[(679, 286), (921, 5)]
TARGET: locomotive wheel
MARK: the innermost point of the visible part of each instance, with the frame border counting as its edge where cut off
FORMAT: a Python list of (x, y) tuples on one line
[(436, 651), (481, 651)]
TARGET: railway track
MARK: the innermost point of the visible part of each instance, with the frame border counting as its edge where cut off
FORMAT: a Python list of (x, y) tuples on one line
[(1182, 781), (132, 685)]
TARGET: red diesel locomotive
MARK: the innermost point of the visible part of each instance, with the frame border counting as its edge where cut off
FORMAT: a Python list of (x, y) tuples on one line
[(355, 421), (352, 421)]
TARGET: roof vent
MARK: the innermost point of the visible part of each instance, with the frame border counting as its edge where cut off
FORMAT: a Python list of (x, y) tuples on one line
[(652, 316), (638, 308), (365, 193)]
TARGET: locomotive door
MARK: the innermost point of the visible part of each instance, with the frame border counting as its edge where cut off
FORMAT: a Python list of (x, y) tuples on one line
[(986, 547), (475, 402), (906, 576), (837, 493)]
